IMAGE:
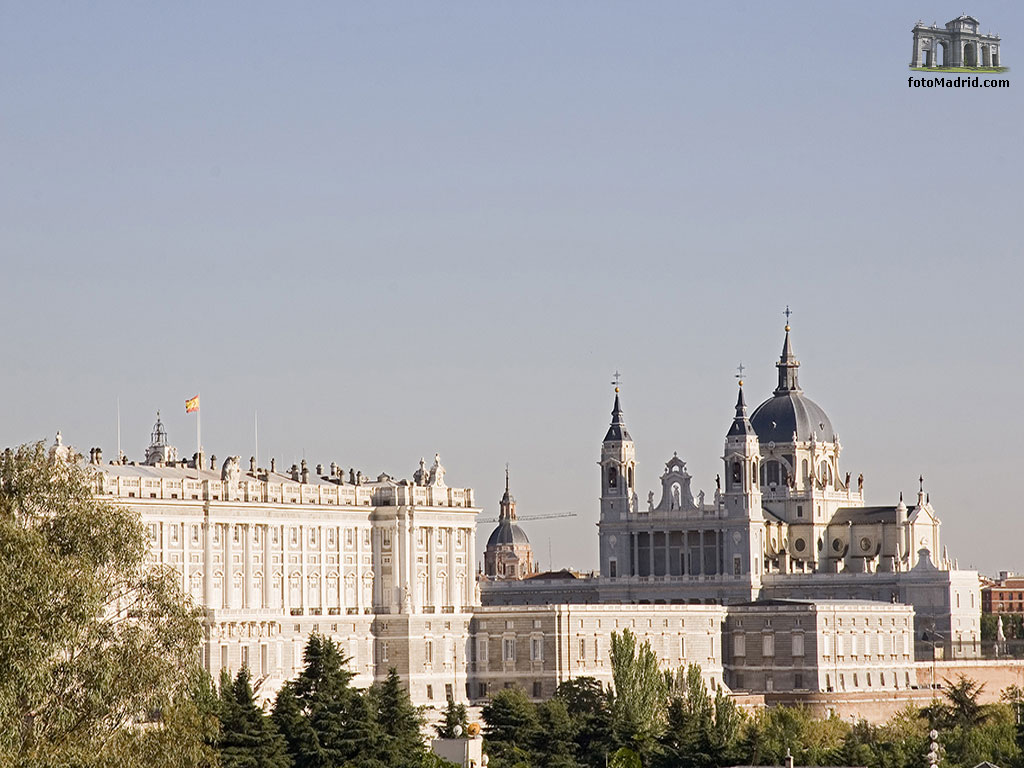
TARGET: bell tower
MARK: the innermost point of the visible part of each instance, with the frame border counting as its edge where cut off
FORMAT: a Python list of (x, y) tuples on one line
[(618, 467), (742, 497)]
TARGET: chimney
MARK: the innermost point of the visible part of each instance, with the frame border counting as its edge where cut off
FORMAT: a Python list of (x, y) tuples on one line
[(295, 472), (305, 472), (252, 464), (320, 470), (99, 455), (334, 469)]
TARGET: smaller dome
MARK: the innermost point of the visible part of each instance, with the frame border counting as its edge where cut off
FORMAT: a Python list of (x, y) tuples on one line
[(507, 532)]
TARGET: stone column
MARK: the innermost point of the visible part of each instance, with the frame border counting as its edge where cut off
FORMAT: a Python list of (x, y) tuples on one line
[(451, 567), (247, 565), (207, 561), (431, 566), (322, 569), (401, 549), (268, 567), (229, 569), (359, 568), (286, 577), (650, 552), (186, 567), (303, 571), (471, 568), (668, 553)]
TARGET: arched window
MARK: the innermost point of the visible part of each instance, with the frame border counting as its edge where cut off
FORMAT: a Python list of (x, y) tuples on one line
[(613, 477), (629, 482), (737, 472), (803, 469), (772, 473)]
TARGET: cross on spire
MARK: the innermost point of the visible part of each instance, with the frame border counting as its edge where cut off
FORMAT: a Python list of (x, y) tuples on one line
[(616, 380), (739, 372), (787, 313)]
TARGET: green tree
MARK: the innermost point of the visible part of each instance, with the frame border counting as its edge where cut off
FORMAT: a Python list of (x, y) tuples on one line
[(512, 728), (589, 708), (248, 738), (638, 709), (399, 742), (325, 721), (554, 743), (454, 716), (93, 640)]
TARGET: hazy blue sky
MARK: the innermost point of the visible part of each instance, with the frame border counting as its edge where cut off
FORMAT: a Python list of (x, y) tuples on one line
[(397, 229)]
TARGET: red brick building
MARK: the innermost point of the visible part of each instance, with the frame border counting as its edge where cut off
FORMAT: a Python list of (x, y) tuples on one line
[(1005, 595)]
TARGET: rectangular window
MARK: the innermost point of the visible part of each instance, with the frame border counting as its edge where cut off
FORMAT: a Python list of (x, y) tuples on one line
[(613, 568), (481, 649), (195, 533), (737, 566), (798, 644), (538, 689), (767, 645), (682, 647), (739, 644), (508, 649), (383, 650), (430, 692), (583, 649), (798, 680), (536, 649), (245, 656), (428, 651)]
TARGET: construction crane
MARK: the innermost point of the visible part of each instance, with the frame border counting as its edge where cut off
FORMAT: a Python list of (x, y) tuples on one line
[(529, 517)]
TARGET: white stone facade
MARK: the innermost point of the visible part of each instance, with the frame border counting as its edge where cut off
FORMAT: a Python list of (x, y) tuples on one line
[(384, 567)]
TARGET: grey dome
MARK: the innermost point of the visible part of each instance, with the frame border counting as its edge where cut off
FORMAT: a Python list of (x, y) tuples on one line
[(777, 418), (507, 532), (789, 411)]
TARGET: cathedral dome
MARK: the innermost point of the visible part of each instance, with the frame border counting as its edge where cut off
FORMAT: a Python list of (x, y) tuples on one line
[(507, 532), (789, 411), (779, 417)]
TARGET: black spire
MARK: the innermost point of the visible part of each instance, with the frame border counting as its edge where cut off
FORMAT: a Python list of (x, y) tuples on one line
[(741, 424), (508, 504), (617, 430), (787, 366)]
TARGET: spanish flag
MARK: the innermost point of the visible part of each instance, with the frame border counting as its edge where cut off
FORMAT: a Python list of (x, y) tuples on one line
[(192, 404)]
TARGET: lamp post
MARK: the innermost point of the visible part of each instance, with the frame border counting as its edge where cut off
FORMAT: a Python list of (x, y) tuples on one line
[(933, 749), (930, 637)]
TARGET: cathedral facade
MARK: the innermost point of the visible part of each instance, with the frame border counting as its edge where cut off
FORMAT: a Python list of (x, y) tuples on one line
[(787, 522)]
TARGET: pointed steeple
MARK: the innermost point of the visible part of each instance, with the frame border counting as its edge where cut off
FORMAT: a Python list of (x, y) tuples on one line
[(508, 504), (740, 424), (617, 430), (787, 366)]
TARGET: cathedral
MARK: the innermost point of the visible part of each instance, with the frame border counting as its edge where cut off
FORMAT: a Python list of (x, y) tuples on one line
[(785, 522)]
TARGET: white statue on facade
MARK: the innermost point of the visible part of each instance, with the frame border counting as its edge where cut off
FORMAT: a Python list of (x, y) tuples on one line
[(230, 473), (437, 472)]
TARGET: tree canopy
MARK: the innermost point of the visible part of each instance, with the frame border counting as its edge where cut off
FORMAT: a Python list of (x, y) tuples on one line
[(93, 639)]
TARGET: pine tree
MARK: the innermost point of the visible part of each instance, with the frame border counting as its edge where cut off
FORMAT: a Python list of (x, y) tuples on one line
[(399, 723), (248, 739), (454, 715), (324, 720)]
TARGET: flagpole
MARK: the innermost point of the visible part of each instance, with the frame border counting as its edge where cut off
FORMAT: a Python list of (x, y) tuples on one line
[(199, 425), (256, 431), (119, 429)]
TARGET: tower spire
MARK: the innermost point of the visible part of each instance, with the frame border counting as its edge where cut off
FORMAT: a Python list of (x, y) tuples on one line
[(617, 430), (740, 424), (508, 504), (787, 364)]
